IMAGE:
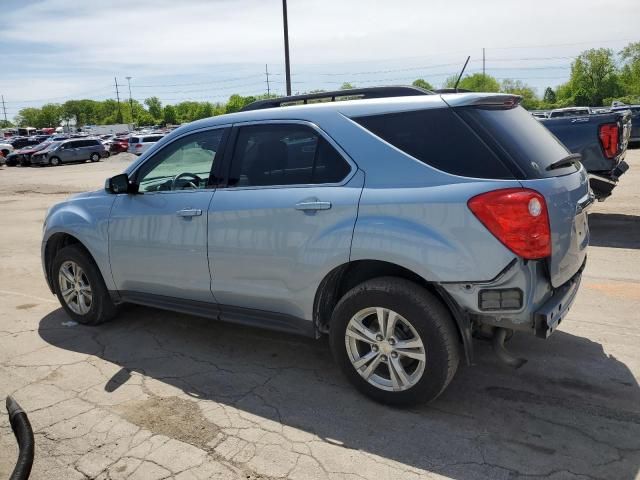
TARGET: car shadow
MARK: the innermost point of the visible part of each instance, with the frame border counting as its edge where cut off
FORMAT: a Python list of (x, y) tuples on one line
[(571, 408), (614, 230)]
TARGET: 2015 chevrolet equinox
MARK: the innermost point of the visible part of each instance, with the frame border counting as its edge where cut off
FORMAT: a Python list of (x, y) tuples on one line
[(397, 226)]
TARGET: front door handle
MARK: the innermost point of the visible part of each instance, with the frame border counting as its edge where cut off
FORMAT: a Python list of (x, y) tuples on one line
[(313, 205), (189, 212)]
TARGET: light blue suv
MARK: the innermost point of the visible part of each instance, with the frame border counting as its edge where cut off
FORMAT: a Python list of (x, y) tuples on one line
[(400, 226)]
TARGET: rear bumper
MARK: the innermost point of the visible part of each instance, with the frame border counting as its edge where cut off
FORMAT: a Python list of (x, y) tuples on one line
[(553, 311), (543, 306), (603, 183)]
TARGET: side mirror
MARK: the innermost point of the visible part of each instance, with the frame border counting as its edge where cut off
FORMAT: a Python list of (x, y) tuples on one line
[(120, 184)]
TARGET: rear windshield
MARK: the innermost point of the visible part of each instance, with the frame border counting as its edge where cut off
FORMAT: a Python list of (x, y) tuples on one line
[(519, 138), (438, 137), (151, 139)]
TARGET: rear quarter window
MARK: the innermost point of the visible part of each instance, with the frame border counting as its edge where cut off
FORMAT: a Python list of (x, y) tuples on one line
[(439, 138), (520, 139)]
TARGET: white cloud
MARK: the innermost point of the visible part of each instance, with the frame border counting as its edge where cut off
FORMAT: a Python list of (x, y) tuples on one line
[(145, 38)]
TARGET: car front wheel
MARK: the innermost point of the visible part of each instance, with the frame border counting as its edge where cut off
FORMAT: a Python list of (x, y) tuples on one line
[(395, 341), (95, 157), (80, 288)]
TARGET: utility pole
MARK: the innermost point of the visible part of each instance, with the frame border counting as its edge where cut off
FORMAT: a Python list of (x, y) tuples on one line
[(286, 47), (266, 71), (118, 97), (4, 109), (131, 100), (484, 76)]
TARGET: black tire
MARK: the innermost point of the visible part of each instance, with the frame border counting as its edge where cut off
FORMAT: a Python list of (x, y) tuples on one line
[(426, 314), (95, 157), (54, 161), (102, 308), (5, 153)]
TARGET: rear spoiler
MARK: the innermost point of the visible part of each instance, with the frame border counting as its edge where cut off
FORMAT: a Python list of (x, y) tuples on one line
[(487, 100)]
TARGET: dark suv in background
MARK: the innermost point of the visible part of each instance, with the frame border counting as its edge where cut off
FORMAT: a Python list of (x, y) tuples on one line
[(72, 150)]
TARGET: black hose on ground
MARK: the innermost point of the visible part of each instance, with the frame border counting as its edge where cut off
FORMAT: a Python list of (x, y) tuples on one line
[(499, 336), (24, 435)]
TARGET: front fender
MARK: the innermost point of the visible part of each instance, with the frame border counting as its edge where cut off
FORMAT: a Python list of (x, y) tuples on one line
[(87, 220)]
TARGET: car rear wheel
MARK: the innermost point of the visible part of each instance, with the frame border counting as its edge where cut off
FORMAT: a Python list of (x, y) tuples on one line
[(395, 341), (80, 288), (94, 157), (54, 161)]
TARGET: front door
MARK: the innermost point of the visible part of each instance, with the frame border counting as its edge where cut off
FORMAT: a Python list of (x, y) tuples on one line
[(287, 211), (158, 237)]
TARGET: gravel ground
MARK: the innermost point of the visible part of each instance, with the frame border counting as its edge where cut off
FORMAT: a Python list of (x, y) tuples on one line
[(156, 394)]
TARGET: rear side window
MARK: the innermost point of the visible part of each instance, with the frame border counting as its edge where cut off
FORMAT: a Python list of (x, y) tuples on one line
[(134, 140), (440, 139), (521, 138), (284, 154)]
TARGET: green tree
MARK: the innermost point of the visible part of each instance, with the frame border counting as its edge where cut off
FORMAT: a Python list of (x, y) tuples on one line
[(236, 102), (347, 86), (593, 78), (170, 115), (28, 117), (5, 124), (155, 107), (50, 116), (549, 96), (630, 71), (422, 83), (476, 83)]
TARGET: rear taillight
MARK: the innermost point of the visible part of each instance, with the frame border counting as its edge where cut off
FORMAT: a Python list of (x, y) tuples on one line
[(518, 218), (139, 145), (608, 134)]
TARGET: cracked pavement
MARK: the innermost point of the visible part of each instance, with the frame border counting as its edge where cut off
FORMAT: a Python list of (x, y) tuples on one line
[(158, 395)]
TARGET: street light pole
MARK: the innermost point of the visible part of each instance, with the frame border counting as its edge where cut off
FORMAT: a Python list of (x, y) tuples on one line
[(130, 100), (286, 47)]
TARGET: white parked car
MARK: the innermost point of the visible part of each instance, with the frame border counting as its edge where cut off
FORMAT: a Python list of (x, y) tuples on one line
[(5, 148), (138, 144)]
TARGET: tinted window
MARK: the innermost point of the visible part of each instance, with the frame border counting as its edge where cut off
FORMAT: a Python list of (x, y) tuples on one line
[(285, 154), (184, 164), (151, 139), (523, 139), (438, 138), (134, 140)]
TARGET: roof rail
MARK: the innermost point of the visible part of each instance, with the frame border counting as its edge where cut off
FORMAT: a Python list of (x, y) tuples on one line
[(350, 94)]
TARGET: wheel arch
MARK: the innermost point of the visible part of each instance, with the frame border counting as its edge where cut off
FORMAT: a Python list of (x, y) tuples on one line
[(53, 245), (346, 276)]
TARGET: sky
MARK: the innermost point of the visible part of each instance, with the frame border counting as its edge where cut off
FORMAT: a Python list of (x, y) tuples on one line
[(55, 50)]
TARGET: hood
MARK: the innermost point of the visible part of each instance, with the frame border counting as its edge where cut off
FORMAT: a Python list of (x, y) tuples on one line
[(96, 193)]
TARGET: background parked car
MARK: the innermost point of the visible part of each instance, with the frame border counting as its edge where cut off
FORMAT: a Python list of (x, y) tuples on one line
[(5, 148), (635, 120), (72, 150), (23, 156), (119, 145), (22, 142), (138, 144)]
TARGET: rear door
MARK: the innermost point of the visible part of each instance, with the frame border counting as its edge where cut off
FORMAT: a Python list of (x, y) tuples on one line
[(287, 209), (529, 147)]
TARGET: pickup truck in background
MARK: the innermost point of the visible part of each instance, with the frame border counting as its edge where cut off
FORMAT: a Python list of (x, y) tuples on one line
[(601, 140), (635, 120)]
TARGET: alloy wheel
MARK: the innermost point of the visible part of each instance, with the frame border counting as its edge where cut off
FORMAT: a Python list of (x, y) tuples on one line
[(75, 287), (385, 349)]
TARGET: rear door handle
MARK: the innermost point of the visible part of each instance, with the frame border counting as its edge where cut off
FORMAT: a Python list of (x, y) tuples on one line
[(189, 212), (313, 205)]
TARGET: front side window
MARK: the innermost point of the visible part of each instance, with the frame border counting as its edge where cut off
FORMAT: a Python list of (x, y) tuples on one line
[(284, 154), (184, 164)]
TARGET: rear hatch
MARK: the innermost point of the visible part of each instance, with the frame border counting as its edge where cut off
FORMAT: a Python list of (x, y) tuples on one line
[(531, 152)]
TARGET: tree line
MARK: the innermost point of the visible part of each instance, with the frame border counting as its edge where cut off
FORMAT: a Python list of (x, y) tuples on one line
[(598, 77)]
